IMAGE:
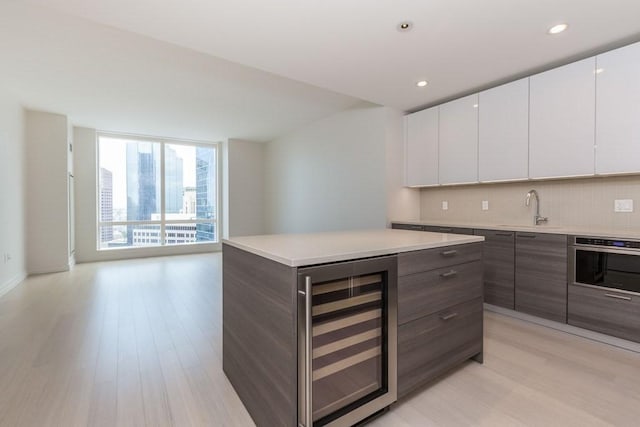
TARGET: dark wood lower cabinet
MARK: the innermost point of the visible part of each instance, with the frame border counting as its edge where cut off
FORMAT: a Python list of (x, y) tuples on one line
[(413, 227), (444, 229), (439, 312), (499, 267), (606, 311), (541, 275), (427, 292), (431, 345), (259, 337)]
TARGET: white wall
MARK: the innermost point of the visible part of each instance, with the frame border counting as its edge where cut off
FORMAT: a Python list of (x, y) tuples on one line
[(244, 188), (47, 192), (86, 186), (12, 190), (343, 172)]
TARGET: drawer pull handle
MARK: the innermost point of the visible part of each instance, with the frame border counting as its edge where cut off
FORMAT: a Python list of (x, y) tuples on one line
[(448, 316), (416, 227), (528, 236), (449, 253), (445, 230), (449, 273), (503, 234), (618, 297)]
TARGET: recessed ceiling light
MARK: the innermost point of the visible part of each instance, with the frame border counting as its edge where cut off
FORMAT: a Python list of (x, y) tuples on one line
[(599, 70), (404, 26), (421, 83), (557, 29)]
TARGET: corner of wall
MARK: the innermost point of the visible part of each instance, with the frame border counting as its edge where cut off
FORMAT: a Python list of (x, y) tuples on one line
[(46, 142), (403, 203), (13, 176), (225, 189)]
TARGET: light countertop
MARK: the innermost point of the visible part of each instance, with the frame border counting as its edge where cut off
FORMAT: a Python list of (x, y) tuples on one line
[(577, 231), (297, 250)]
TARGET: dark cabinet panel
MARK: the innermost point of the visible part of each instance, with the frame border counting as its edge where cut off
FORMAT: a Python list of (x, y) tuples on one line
[(499, 267), (259, 335), (431, 345), (429, 259), (606, 311), (414, 227), (425, 293), (445, 229), (541, 275)]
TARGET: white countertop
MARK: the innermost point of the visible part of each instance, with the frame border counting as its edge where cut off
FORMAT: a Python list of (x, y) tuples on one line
[(297, 250), (578, 231)]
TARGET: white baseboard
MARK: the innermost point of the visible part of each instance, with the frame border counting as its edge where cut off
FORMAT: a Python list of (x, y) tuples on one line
[(12, 283), (574, 330)]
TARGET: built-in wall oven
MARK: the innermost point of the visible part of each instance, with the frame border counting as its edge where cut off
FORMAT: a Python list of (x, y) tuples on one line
[(604, 286), (605, 263), (347, 339)]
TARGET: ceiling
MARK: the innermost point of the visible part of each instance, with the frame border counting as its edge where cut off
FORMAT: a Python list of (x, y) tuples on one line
[(118, 81), (349, 48)]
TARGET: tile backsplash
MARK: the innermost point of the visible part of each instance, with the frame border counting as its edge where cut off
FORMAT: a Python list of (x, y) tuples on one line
[(584, 202)]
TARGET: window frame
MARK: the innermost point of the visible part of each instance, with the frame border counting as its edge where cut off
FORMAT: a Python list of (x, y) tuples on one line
[(163, 222)]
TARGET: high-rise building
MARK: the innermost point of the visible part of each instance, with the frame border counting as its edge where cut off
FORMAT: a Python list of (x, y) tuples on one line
[(106, 204), (173, 181), (189, 200), (143, 183), (206, 198)]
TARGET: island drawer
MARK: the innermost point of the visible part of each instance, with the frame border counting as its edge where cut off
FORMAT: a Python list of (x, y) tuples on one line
[(430, 259), (424, 293), (605, 310), (431, 345)]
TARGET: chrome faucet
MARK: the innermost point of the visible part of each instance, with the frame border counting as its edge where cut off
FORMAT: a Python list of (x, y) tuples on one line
[(537, 219)]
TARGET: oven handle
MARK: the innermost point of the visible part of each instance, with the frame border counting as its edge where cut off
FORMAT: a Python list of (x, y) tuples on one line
[(588, 248), (622, 297)]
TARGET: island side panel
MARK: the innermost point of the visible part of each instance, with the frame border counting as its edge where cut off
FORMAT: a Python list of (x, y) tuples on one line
[(259, 353)]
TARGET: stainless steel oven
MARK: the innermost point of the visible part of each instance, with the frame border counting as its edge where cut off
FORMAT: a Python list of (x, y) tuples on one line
[(605, 263), (347, 339)]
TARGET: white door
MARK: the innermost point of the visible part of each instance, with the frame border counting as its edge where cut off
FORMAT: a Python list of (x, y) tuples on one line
[(503, 132), (561, 127), (618, 111)]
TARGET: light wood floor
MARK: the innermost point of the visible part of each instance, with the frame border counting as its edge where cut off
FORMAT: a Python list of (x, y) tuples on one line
[(139, 343)]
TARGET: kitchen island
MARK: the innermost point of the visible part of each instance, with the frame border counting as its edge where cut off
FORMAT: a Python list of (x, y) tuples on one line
[(417, 294)]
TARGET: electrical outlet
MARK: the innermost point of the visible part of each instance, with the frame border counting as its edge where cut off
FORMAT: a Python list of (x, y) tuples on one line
[(445, 205), (485, 205), (623, 205)]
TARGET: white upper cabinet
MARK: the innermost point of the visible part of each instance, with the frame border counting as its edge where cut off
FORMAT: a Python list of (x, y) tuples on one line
[(618, 111), (459, 141), (562, 121), (421, 151), (503, 132)]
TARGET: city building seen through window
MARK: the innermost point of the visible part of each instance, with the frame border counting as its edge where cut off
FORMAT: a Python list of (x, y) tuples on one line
[(156, 192)]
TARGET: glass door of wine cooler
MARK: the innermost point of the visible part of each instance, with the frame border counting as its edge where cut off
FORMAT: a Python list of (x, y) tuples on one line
[(346, 341)]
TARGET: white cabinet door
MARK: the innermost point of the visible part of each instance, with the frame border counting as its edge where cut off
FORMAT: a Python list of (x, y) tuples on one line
[(562, 122), (618, 111), (503, 132), (421, 152), (459, 141)]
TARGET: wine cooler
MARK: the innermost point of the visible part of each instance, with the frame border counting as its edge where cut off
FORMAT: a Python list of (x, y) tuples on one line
[(347, 320)]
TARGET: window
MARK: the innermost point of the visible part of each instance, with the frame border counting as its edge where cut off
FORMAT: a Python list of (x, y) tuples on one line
[(154, 192)]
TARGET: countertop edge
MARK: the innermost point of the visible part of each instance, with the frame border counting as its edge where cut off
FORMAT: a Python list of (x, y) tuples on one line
[(620, 234), (345, 256)]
